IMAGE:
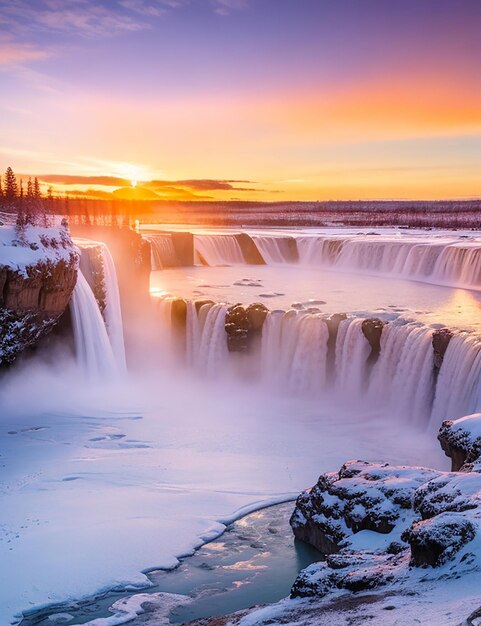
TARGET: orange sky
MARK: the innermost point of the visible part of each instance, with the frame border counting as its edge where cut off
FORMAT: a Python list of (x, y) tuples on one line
[(324, 102)]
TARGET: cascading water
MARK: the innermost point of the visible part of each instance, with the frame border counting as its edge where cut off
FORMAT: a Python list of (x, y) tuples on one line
[(218, 250), (458, 391), (294, 357), (162, 251), (352, 353), (112, 312), (444, 262), (294, 351), (92, 345), (403, 376), (272, 249)]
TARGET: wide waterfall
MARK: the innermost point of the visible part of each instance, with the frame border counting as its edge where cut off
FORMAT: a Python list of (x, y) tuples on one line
[(441, 261), (301, 354), (92, 344), (218, 250)]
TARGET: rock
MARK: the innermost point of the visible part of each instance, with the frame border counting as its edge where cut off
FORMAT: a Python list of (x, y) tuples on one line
[(362, 496), (372, 330), (179, 314), (200, 303), (249, 249), (441, 339), (437, 540), (256, 314), (244, 325), (461, 441), (35, 295)]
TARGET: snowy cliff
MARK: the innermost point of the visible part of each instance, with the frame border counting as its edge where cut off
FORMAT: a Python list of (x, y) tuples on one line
[(38, 272)]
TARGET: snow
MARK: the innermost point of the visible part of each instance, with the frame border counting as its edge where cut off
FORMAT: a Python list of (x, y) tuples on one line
[(36, 244), (94, 493)]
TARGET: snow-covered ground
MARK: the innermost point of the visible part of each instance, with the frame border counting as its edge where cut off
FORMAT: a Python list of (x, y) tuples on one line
[(99, 484), (33, 244)]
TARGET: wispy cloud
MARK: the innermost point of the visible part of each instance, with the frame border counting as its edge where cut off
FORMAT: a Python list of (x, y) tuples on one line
[(12, 52), (225, 7)]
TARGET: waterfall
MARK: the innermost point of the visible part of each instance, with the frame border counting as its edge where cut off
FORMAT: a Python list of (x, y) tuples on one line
[(458, 391), (403, 376), (271, 249), (296, 356), (294, 351), (112, 312), (162, 251), (218, 250), (445, 262), (92, 344)]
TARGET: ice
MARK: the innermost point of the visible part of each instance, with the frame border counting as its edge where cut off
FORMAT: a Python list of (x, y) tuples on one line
[(87, 513)]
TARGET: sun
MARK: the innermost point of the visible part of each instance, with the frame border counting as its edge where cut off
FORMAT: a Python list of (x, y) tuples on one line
[(134, 183)]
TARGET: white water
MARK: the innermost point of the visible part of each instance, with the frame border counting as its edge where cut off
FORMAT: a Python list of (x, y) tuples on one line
[(271, 248), (458, 391), (294, 351), (92, 345), (162, 251), (294, 359), (112, 312), (450, 261), (218, 250)]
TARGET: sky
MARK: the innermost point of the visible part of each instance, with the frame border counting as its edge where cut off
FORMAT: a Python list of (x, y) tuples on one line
[(244, 99)]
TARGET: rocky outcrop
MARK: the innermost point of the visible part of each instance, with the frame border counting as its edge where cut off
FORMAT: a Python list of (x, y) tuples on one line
[(461, 441), (361, 496), (243, 325), (441, 339), (372, 330), (37, 276), (429, 518)]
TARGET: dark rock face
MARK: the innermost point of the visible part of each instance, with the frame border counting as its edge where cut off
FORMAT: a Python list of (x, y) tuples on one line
[(243, 325), (461, 441), (249, 249), (372, 330), (435, 541), (441, 339), (31, 303)]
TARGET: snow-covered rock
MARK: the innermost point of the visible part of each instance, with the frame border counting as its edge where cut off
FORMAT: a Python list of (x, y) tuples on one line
[(38, 272), (361, 496), (461, 441)]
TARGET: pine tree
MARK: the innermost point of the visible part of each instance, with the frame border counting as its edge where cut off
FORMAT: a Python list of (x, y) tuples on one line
[(1, 188), (11, 188), (36, 188)]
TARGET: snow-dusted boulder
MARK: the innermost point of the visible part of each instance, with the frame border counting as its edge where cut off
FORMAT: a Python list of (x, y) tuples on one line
[(38, 272), (361, 496), (374, 522), (461, 441)]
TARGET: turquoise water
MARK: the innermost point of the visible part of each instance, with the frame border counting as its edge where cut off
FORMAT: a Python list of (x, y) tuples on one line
[(254, 562)]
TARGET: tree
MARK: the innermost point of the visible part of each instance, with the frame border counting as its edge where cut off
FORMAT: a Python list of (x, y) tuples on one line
[(11, 188), (36, 189)]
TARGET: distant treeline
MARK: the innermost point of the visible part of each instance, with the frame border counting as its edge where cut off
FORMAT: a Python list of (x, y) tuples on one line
[(24, 198)]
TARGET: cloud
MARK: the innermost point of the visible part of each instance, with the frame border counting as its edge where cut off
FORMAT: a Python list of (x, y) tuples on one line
[(170, 186), (68, 179), (12, 53), (203, 184), (225, 7)]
